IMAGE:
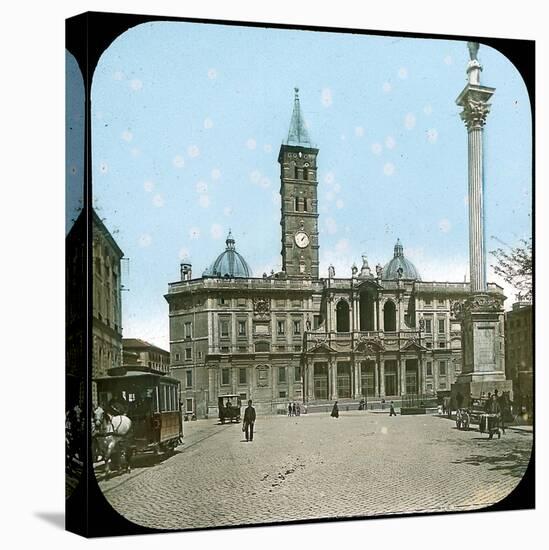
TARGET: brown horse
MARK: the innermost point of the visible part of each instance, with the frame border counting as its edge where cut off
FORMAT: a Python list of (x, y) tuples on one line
[(111, 435)]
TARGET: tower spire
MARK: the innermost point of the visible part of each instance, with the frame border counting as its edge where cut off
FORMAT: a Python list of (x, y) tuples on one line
[(298, 134)]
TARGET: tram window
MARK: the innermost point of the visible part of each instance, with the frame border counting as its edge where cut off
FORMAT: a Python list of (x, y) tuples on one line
[(155, 399)]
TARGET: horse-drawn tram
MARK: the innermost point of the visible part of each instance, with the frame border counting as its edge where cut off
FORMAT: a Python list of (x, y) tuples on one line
[(150, 399)]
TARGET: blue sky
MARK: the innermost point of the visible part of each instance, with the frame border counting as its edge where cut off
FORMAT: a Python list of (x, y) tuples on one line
[(187, 124)]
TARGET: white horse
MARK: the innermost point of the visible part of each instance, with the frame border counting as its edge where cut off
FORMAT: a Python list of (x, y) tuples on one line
[(111, 434)]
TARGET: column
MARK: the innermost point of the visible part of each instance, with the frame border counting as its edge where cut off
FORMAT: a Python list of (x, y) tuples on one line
[(402, 363), (380, 315), (376, 377), (211, 385), (382, 378), (310, 381), (358, 381), (376, 322), (333, 378), (475, 102)]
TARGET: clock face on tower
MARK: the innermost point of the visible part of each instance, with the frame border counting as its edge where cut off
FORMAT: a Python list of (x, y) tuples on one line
[(301, 239)]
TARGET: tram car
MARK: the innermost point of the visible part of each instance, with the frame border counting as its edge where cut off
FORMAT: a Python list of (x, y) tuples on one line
[(151, 400)]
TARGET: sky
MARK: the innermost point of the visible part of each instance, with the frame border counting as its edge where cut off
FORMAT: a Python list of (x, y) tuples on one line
[(188, 119)]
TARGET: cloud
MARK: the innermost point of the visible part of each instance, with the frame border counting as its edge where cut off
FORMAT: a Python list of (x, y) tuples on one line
[(194, 233), (342, 246), (403, 73), (428, 109), (432, 135), (326, 97), (136, 84), (329, 178), (340, 204), (390, 142), (201, 187), (216, 173), (127, 135), (331, 226), (178, 161), (251, 144), (388, 168), (208, 123), (444, 225), (204, 201), (145, 240), (184, 253), (212, 73), (376, 148), (216, 231), (448, 60), (158, 201), (267, 148), (409, 121), (193, 151), (255, 176), (386, 87), (228, 210), (119, 75), (265, 182), (359, 131)]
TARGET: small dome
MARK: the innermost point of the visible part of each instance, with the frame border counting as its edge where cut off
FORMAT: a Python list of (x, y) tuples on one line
[(400, 267), (229, 264)]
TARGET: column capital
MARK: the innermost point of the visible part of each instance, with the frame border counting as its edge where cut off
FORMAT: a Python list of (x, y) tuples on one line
[(475, 102)]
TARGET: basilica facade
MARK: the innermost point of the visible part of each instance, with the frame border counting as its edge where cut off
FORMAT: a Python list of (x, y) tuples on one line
[(376, 334)]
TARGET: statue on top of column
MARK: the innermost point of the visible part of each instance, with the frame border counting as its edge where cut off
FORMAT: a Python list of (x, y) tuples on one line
[(473, 50)]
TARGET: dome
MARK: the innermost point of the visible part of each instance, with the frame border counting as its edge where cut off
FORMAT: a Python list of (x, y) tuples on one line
[(229, 263), (400, 267)]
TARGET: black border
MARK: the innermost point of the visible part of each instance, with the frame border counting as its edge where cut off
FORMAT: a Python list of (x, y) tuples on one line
[(87, 36)]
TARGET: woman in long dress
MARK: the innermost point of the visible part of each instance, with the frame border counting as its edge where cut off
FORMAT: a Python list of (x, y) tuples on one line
[(335, 411)]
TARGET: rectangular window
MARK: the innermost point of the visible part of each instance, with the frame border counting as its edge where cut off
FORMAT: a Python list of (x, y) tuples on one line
[(225, 377), (280, 303), (281, 375), (297, 374), (297, 327), (177, 356), (189, 378), (428, 326), (442, 384), (297, 347), (188, 353), (242, 375), (224, 349), (441, 326), (442, 368), (188, 330), (316, 321), (241, 302), (241, 328), (296, 303), (280, 326), (429, 368), (224, 328), (442, 344), (282, 394), (441, 303), (189, 405), (429, 345), (428, 302)]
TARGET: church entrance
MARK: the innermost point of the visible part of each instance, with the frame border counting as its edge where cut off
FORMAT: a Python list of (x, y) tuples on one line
[(412, 376), (367, 378), (344, 380), (391, 373), (320, 378)]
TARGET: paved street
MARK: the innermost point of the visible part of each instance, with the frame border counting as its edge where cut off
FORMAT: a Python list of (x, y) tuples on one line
[(314, 466)]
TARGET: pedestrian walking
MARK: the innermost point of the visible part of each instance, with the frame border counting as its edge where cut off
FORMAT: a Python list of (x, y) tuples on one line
[(298, 409), (392, 409), (335, 411), (293, 409), (289, 409), (249, 421)]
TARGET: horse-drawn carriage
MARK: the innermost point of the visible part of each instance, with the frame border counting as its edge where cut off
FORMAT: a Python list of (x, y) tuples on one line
[(149, 399), (229, 408), (489, 422)]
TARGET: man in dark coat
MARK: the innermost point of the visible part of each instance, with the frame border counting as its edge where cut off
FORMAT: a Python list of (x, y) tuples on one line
[(249, 420), (335, 411)]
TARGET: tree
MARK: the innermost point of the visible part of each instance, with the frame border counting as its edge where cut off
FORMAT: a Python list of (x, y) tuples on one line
[(514, 265)]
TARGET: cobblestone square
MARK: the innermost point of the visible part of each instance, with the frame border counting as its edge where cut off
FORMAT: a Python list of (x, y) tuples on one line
[(314, 466)]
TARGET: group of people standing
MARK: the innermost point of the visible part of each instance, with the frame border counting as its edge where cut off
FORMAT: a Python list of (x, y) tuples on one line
[(294, 409)]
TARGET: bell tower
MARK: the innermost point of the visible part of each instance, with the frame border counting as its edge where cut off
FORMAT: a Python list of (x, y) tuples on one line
[(299, 204)]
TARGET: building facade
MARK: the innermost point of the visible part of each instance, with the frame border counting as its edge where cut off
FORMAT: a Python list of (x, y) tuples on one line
[(138, 352), (107, 309), (519, 363), (293, 336)]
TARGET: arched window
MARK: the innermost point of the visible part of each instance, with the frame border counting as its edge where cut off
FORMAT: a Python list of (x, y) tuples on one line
[(342, 316), (305, 174), (389, 317), (295, 172)]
